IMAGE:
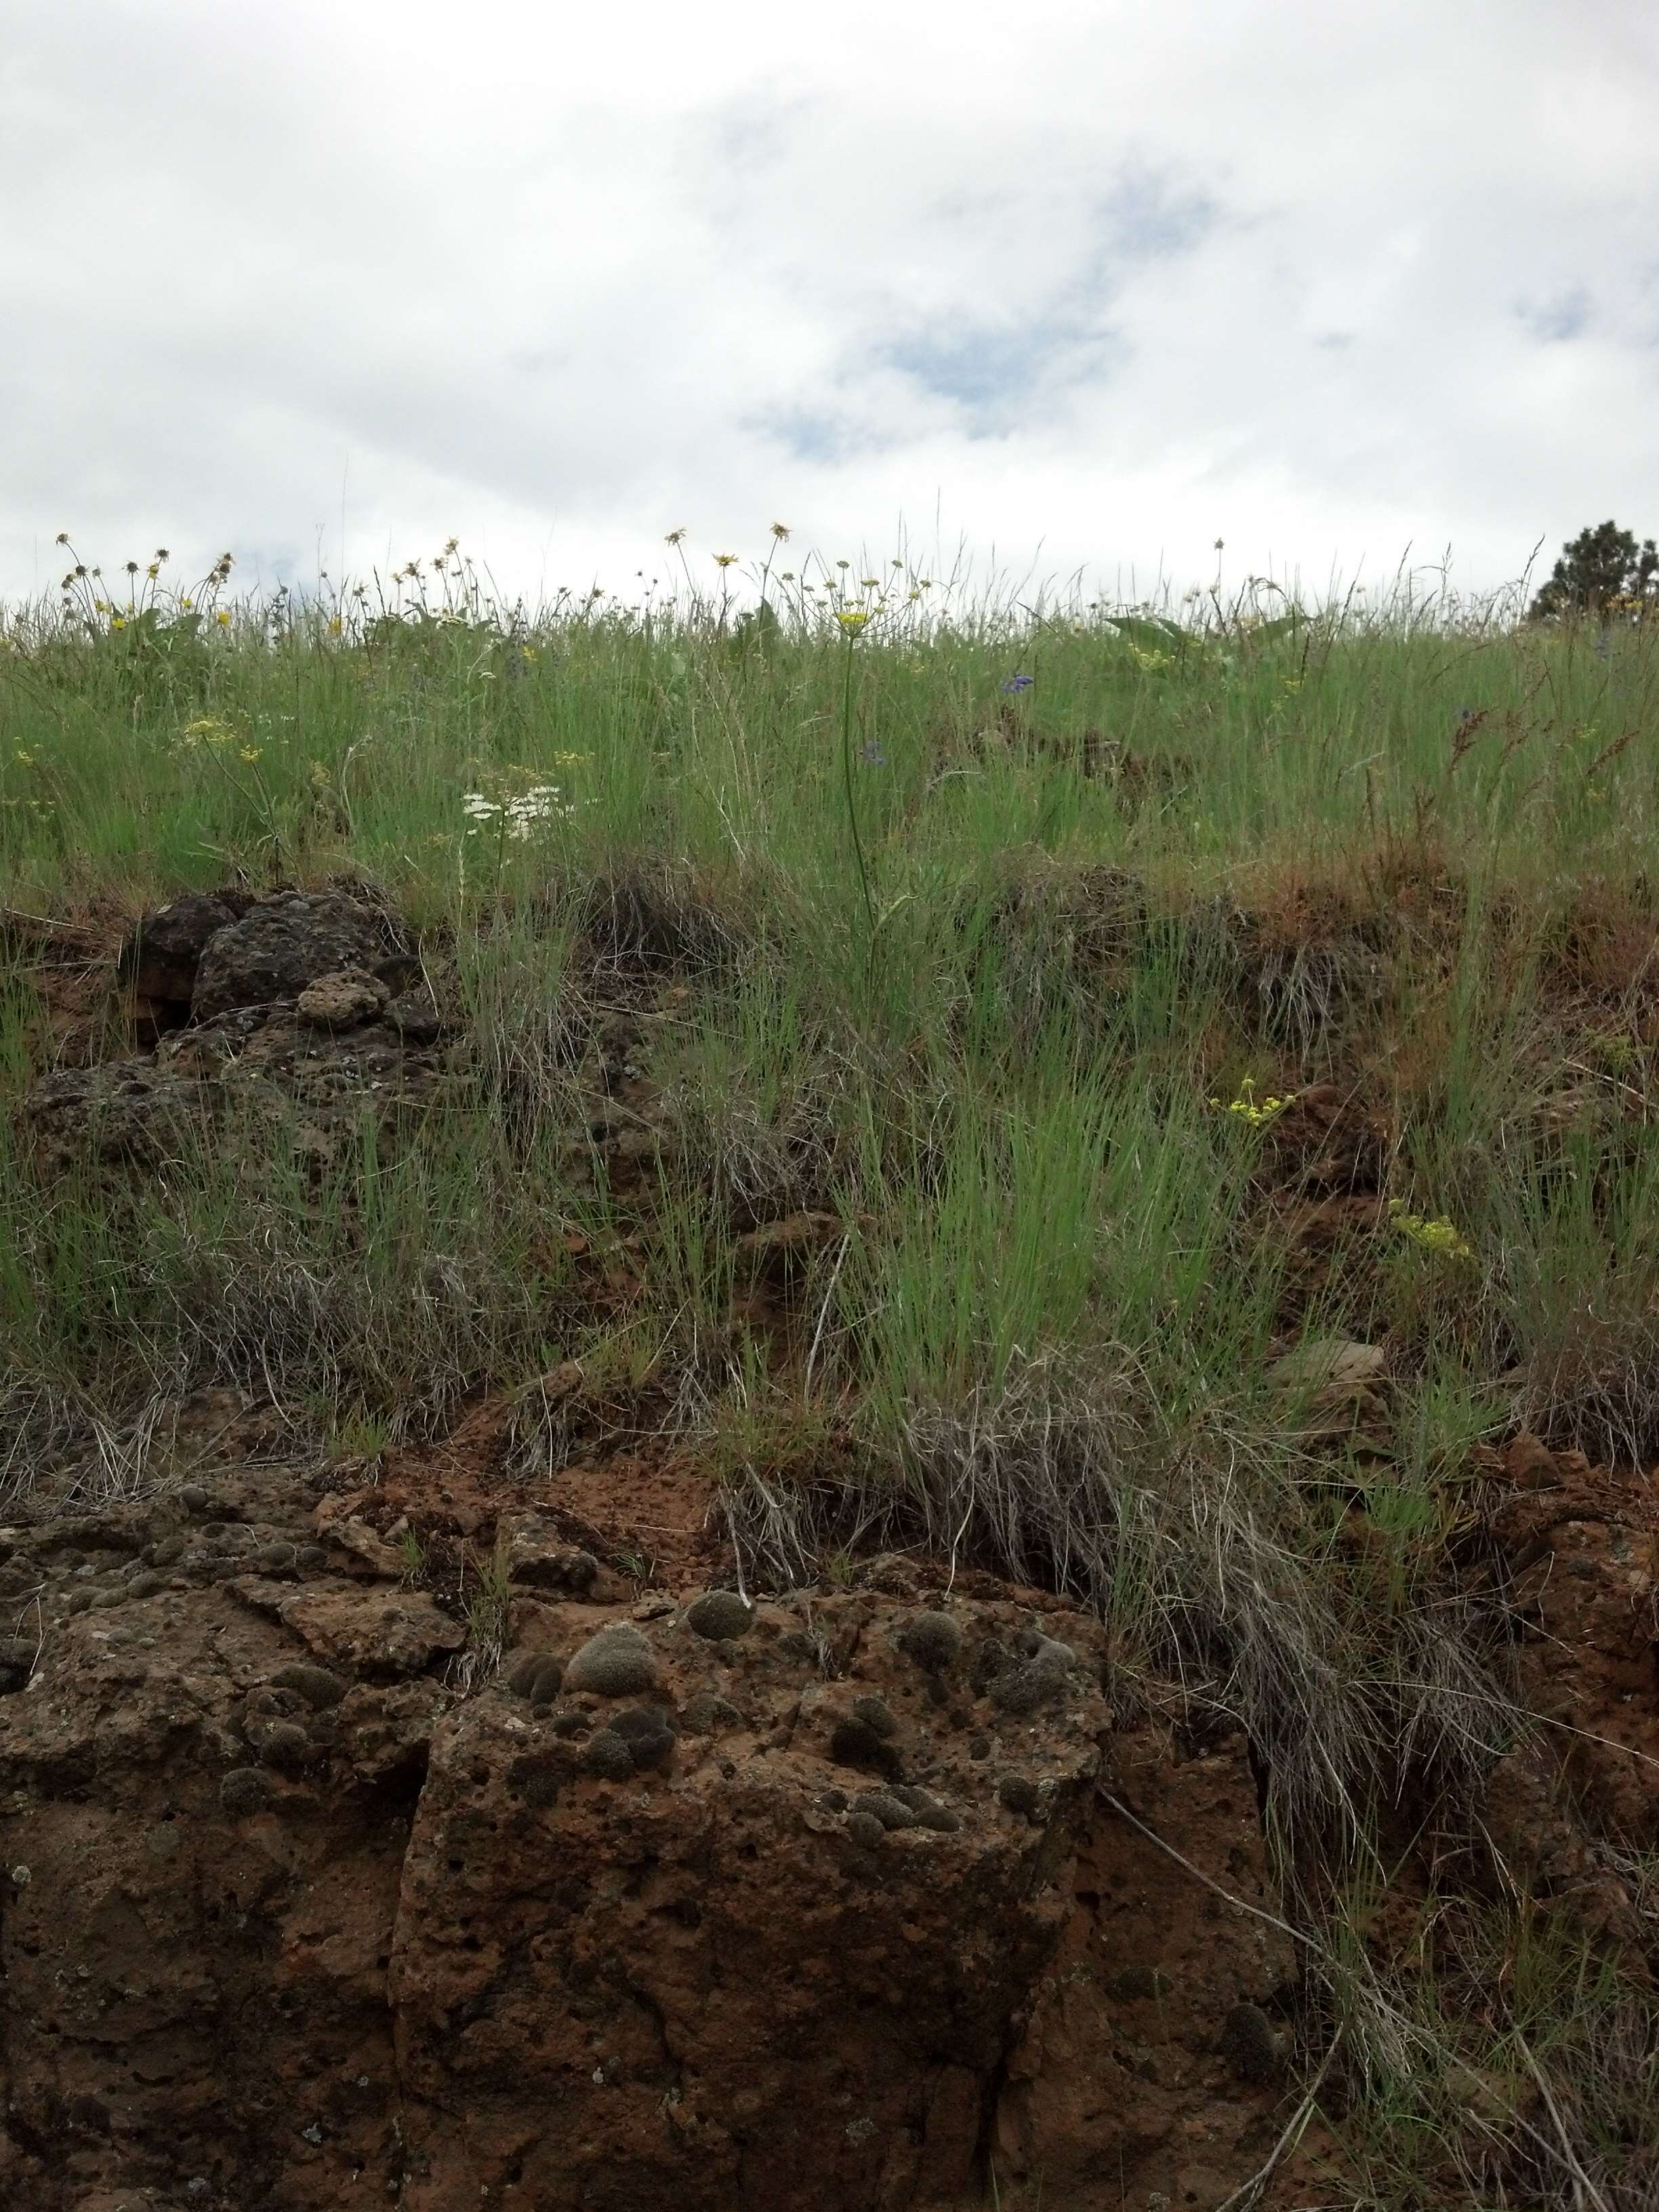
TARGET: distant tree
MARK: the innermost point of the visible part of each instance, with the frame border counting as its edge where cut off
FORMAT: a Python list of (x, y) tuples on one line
[(1601, 571)]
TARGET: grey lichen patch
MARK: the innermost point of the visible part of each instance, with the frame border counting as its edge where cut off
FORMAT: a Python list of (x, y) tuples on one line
[(245, 1791), (932, 1640), (320, 1689), (617, 1662), (720, 1616), (609, 1755), (706, 1714), (538, 1677)]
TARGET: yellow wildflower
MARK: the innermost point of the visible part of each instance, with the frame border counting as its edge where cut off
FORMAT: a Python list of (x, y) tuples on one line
[(223, 618), (852, 619), (1257, 1114), (1435, 1235)]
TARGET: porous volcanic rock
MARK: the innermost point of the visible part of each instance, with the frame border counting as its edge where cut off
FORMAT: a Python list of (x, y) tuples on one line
[(1579, 1546), (284, 943), (342, 999), (161, 956), (282, 1078), (300, 1913)]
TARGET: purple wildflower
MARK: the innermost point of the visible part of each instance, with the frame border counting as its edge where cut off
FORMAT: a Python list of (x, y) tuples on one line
[(1020, 684)]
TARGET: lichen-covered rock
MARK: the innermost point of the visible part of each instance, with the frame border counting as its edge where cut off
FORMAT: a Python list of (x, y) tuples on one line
[(260, 1073), (285, 943), (380, 1633), (119, 1112), (415, 1016), (539, 1558), (161, 957), (343, 1000)]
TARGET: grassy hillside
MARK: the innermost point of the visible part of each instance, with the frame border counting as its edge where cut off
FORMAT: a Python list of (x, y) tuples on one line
[(1146, 1104)]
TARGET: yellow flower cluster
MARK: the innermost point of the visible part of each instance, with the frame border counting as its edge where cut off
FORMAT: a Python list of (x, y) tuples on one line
[(209, 735), (1256, 1113), (1434, 1236)]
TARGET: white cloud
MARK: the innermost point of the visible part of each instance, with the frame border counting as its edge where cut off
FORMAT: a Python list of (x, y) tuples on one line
[(1095, 285)]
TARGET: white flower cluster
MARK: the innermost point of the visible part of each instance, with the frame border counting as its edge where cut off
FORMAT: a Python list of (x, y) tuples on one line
[(520, 815)]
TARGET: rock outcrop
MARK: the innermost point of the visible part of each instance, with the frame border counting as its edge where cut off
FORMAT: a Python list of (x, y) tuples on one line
[(302, 1010), (309, 1905)]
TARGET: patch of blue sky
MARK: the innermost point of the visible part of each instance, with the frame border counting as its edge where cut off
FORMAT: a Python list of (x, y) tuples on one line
[(1559, 320)]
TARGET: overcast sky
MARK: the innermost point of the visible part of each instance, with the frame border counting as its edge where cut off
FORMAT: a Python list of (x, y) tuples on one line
[(1084, 282)]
